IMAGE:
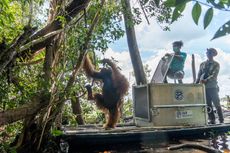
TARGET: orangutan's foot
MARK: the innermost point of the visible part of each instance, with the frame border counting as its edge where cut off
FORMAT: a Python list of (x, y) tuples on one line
[(108, 127)]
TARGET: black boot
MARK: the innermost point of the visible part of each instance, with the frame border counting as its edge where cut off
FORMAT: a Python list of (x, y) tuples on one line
[(165, 80), (220, 114), (180, 81), (211, 122)]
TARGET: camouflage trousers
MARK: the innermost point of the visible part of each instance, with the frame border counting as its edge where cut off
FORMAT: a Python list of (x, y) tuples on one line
[(212, 98)]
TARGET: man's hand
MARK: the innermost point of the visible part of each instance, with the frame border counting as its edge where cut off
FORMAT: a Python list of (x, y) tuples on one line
[(203, 81), (167, 54)]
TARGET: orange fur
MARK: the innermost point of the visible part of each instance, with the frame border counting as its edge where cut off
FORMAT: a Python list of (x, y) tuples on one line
[(115, 86)]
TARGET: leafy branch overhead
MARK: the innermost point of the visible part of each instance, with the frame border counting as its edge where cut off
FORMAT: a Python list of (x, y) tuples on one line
[(221, 5)]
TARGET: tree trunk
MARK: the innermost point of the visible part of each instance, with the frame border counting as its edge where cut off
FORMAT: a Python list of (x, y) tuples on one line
[(132, 43), (36, 130), (39, 134), (76, 107)]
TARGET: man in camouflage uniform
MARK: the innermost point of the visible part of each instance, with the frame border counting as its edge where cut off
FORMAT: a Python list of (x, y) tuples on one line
[(208, 75)]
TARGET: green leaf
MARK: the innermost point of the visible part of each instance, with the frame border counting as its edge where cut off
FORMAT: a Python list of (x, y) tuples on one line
[(157, 2), (179, 2), (223, 30), (174, 3), (56, 132), (11, 17), (224, 1), (208, 17), (196, 11), (1, 22), (177, 11), (218, 6), (170, 3), (5, 3)]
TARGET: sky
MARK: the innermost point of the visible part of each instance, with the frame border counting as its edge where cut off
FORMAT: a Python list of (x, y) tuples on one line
[(153, 43)]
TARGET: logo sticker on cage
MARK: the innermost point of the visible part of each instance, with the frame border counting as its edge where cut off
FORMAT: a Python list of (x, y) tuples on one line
[(179, 95), (184, 114)]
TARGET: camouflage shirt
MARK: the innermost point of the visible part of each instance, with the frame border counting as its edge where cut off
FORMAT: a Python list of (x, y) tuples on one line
[(209, 71)]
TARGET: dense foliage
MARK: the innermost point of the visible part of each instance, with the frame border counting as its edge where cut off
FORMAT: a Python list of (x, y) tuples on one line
[(23, 79)]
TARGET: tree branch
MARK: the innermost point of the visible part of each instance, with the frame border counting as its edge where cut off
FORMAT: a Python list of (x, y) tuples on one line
[(13, 115), (40, 39), (31, 62)]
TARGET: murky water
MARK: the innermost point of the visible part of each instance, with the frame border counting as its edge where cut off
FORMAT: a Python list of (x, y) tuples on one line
[(220, 142)]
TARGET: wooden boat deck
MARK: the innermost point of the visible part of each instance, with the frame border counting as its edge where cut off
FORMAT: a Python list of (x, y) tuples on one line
[(96, 135)]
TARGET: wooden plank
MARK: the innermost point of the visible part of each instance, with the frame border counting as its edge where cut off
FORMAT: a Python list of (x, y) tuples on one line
[(193, 68)]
